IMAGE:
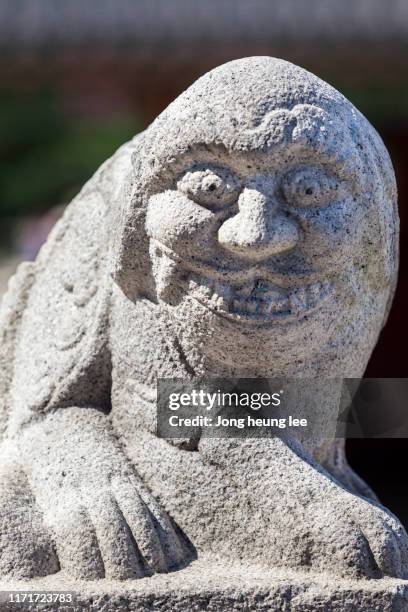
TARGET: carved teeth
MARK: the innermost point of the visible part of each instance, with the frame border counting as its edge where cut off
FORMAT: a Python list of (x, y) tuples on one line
[(203, 290), (244, 290), (237, 305), (260, 299), (267, 307), (298, 300), (295, 304), (251, 306), (220, 303), (168, 276), (315, 291), (326, 287), (279, 305), (302, 296)]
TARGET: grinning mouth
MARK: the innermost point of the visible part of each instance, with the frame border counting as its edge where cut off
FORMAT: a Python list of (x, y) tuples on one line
[(253, 300), (258, 300)]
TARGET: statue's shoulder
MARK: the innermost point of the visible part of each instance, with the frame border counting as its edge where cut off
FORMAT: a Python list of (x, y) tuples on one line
[(60, 352), (11, 310)]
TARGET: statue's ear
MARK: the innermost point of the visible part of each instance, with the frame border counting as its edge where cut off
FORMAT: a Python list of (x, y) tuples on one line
[(389, 238), (131, 265), (385, 201), (387, 206)]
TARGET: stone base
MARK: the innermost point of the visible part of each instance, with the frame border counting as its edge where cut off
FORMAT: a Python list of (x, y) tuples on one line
[(212, 586)]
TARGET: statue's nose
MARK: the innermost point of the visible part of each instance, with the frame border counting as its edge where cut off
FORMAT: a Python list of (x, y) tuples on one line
[(260, 229)]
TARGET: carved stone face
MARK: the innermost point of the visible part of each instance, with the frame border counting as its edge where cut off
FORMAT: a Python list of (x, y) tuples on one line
[(258, 238), (270, 216)]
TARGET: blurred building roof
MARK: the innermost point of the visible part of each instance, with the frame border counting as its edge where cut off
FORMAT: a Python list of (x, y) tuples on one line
[(32, 24)]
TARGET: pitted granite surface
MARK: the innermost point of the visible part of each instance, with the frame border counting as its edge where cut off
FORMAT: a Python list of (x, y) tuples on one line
[(250, 231), (212, 586)]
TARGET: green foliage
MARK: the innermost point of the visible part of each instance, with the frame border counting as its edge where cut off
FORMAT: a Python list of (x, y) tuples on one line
[(45, 155), (384, 105)]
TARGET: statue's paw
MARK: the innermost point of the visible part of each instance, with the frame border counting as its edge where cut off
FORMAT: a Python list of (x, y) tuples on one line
[(26, 548), (116, 531), (356, 538)]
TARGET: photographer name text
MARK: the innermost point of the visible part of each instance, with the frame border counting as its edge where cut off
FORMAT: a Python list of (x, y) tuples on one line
[(239, 423)]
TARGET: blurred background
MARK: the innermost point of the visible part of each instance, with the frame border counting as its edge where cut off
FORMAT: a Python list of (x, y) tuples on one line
[(79, 78)]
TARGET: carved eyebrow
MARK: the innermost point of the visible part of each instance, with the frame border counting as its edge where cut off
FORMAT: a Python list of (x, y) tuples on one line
[(242, 162)]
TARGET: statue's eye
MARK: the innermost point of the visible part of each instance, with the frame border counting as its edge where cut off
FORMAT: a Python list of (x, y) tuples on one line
[(309, 187), (210, 187)]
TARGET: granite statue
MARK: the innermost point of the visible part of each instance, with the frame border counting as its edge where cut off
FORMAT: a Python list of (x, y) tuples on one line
[(251, 230)]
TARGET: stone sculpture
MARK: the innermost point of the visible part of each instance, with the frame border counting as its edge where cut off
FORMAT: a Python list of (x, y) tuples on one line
[(250, 231)]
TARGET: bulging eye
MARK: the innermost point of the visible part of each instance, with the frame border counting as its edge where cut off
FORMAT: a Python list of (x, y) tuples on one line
[(210, 187), (310, 187)]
